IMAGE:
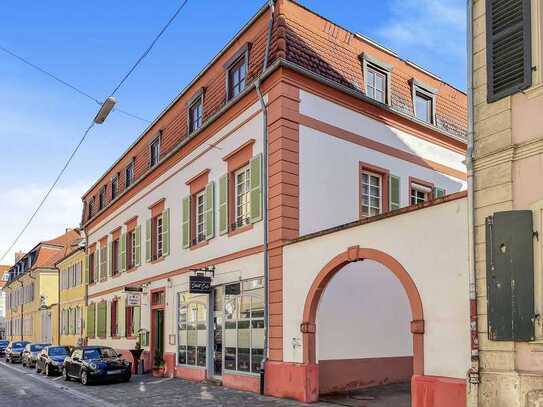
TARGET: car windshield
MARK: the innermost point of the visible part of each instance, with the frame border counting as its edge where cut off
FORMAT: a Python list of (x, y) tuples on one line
[(99, 353), (4, 343), (36, 348), (59, 351), (18, 345)]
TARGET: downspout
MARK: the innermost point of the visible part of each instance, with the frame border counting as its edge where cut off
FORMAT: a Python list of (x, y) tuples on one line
[(265, 193), (474, 371)]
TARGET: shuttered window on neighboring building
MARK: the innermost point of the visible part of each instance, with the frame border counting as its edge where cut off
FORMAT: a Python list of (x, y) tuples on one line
[(101, 319), (509, 47), (90, 320)]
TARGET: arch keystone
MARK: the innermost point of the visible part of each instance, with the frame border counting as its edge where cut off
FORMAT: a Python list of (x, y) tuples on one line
[(352, 253)]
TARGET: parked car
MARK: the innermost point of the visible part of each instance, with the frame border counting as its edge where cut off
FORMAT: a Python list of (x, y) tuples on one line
[(14, 351), (3, 346), (30, 354), (51, 359), (96, 363)]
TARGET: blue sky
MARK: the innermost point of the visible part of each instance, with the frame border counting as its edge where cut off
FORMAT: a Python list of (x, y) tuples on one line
[(92, 44)]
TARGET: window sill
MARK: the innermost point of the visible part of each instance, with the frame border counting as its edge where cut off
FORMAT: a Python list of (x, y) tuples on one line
[(240, 230), (191, 366), (131, 270), (115, 337), (198, 245), (160, 259)]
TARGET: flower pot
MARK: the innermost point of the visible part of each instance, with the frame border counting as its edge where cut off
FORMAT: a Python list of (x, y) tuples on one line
[(158, 371)]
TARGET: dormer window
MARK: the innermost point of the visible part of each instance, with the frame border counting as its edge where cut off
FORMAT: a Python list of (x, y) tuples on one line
[(155, 152), (129, 174), (424, 102), (196, 113), (114, 186), (236, 73), (91, 208), (377, 78), (102, 198)]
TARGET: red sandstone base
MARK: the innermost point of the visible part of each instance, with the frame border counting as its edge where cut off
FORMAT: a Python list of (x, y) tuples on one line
[(433, 391)]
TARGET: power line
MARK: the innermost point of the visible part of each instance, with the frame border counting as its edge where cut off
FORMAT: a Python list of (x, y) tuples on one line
[(92, 123), (27, 224), (173, 17), (63, 82)]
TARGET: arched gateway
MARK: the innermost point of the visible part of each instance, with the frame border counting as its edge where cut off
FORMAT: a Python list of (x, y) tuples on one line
[(350, 255)]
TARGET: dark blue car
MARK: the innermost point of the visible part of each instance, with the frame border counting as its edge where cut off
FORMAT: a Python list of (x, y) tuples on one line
[(51, 359), (15, 350), (3, 346), (91, 364)]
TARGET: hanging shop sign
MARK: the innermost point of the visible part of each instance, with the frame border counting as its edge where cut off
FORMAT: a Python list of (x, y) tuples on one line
[(199, 284), (133, 299), (133, 289)]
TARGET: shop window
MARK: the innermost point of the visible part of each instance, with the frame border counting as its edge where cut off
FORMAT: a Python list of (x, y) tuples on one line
[(192, 330), (244, 326)]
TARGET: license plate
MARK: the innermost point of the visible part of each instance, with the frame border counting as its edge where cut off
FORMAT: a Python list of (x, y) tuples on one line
[(114, 372)]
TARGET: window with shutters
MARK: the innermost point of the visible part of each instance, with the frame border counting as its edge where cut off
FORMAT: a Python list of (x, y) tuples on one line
[(131, 249), (91, 320), (373, 190), (158, 241), (157, 233), (91, 266), (103, 260), (420, 191), (242, 197), (129, 322), (113, 318), (509, 47), (200, 216), (115, 257)]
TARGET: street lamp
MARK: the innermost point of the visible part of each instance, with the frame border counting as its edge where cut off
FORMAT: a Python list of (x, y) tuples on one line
[(105, 110)]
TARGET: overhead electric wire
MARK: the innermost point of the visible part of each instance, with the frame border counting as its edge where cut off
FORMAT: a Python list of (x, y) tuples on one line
[(57, 179), (146, 52), (63, 82)]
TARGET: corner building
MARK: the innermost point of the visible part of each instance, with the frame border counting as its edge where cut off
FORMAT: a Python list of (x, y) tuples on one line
[(353, 131)]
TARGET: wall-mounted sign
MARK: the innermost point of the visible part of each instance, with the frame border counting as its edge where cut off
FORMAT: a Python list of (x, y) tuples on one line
[(133, 299), (199, 284), (133, 289)]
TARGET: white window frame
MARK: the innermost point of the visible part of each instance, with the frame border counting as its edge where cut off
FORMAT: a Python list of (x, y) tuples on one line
[(197, 105), (370, 63), (371, 84), (415, 189), (428, 93), (200, 206), (242, 200), (154, 152), (129, 170), (159, 242), (132, 248), (370, 174)]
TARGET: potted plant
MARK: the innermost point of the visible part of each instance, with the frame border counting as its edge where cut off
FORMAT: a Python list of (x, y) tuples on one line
[(159, 365)]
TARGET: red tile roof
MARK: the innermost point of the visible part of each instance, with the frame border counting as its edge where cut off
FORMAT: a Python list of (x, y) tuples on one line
[(301, 37)]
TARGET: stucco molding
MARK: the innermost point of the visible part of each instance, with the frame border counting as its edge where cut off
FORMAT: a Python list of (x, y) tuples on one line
[(511, 153)]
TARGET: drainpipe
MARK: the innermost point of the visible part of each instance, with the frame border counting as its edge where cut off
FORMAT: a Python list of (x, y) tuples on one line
[(265, 193), (474, 371)]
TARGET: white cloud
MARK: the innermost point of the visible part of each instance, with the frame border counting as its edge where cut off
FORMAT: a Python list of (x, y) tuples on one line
[(434, 26), (62, 210)]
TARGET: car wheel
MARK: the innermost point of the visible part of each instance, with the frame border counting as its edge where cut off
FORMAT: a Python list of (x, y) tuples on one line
[(23, 363), (65, 375), (47, 372), (84, 378)]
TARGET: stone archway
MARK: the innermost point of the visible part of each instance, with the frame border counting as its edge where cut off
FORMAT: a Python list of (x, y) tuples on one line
[(355, 254)]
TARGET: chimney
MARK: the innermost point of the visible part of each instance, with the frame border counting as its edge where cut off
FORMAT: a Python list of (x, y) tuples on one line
[(19, 256)]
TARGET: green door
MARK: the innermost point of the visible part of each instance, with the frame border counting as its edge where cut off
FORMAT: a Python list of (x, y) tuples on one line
[(159, 347)]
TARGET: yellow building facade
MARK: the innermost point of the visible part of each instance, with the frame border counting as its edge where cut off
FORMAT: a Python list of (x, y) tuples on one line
[(72, 298), (32, 291)]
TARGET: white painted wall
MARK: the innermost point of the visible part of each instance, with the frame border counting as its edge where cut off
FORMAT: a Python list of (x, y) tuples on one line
[(364, 313), (329, 166), (431, 245), (172, 186)]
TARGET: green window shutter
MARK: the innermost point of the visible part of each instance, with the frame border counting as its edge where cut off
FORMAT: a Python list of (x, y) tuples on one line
[(86, 268), (120, 317), (122, 253), (96, 265), (394, 193), (90, 320), (508, 47), (210, 210), (148, 241), (110, 259), (138, 245), (223, 205), (439, 192), (101, 320), (256, 189), (186, 222), (166, 232), (137, 321)]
